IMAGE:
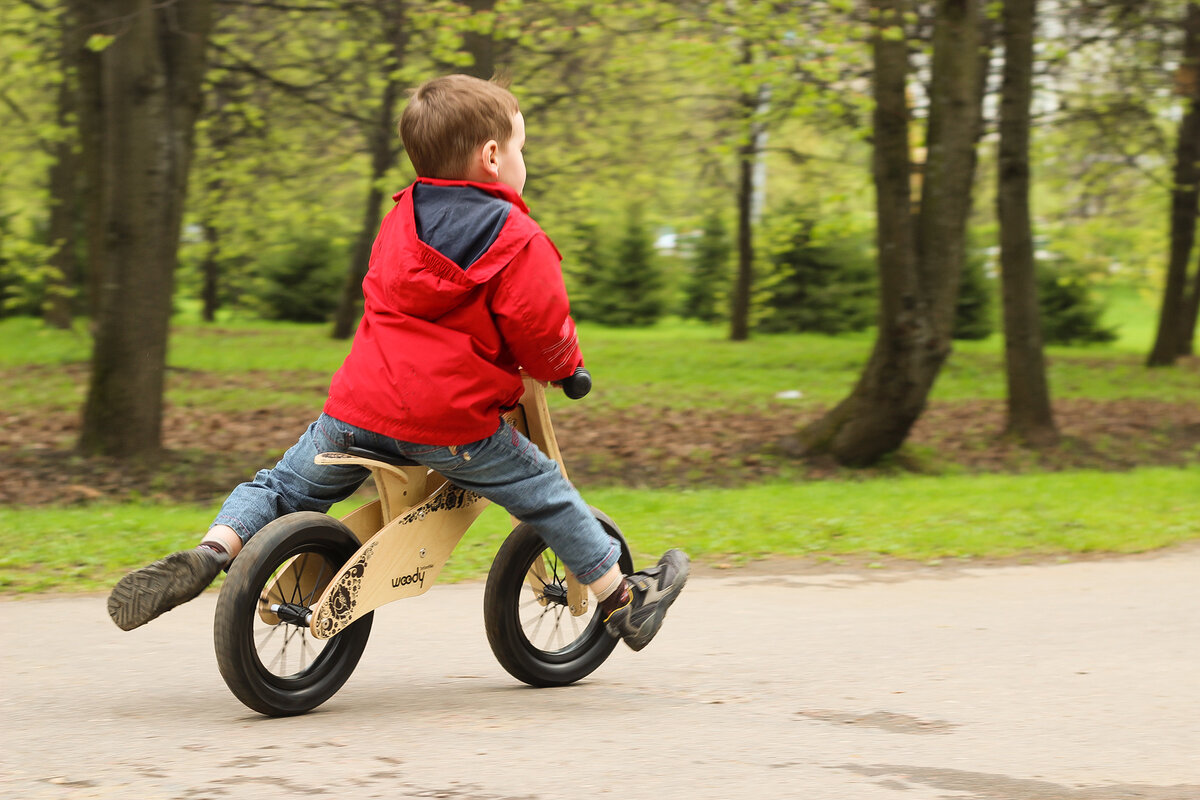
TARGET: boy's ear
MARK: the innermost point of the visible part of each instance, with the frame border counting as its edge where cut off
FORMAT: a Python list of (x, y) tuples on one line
[(489, 158)]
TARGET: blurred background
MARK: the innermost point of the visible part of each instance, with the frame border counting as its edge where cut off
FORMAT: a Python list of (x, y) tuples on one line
[(957, 231)]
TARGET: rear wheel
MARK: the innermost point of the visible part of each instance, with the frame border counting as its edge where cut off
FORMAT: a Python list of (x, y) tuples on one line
[(530, 627), (265, 651)]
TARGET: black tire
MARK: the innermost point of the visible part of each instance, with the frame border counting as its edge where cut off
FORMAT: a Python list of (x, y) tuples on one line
[(253, 655), (515, 617)]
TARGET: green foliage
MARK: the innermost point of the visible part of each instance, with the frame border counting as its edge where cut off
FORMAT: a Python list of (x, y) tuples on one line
[(627, 291), (25, 272), (705, 294), (300, 281), (30, 74), (973, 313), (587, 259), (623, 99), (823, 277), (1071, 314), (99, 42)]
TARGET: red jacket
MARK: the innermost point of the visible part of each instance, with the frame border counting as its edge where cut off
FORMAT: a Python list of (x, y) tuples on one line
[(450, 315)]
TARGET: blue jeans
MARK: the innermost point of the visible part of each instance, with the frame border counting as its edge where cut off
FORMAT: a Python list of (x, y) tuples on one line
[(505, 468)]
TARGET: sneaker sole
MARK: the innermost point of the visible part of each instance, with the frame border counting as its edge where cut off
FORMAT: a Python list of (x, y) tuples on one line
[(149, 592), (660, 611)]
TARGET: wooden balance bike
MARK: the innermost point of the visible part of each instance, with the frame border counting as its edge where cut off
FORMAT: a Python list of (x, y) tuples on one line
[(295, 611)]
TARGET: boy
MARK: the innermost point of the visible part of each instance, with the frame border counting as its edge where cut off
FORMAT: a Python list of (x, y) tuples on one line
[(463, 290)]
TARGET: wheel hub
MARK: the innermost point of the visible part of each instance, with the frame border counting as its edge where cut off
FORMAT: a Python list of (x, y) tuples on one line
[(293, 614), (555, 593)]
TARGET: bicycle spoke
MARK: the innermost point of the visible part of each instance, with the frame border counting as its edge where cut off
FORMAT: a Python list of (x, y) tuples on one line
[(535, 604), (306, 646), (558, 627), (264, 636), (539, 614), (296, 568), (295, 640), (280, 656), (542, 618), (283, 646), (575, 625), (318, 584), (543, 613)]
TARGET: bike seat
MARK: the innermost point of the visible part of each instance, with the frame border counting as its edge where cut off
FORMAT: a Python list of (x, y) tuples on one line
[(387, 458)]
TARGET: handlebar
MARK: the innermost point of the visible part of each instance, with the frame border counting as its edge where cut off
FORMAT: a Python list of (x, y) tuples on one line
[(577, 385)]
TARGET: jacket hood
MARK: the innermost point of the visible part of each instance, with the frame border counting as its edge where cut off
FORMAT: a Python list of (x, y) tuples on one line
[(466, 217)]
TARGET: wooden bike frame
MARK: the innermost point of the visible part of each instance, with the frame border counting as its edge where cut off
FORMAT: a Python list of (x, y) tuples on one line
[(408, 534)]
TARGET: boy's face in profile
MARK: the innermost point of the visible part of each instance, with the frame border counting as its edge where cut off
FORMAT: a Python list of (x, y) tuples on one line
[(510, 161)]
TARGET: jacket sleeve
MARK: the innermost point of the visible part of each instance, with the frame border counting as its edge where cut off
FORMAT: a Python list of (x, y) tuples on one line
[(530, 306)]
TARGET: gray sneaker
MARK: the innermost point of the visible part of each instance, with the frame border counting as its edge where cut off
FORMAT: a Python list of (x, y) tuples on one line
[(653, 590), (150, 591)]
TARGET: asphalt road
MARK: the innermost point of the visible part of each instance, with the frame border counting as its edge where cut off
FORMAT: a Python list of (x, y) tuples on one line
[(1075, 681)]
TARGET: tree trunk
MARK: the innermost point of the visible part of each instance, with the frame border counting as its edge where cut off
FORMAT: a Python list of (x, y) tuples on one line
[(739, 329), (482, 46), (1030, 417), (1185, 194), (1191, 310), (149, 96), (210, 294), (739, 312), (490, 55), (346, 318), (384, 147), (64, 186), (919, 268), (954, 119), (91, 116)]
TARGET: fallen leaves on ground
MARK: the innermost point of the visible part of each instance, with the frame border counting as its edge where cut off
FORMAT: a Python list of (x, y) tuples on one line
[(208, 452)]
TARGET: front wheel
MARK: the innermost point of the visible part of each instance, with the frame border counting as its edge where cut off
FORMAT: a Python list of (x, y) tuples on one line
[(266, 653), (533, 633)]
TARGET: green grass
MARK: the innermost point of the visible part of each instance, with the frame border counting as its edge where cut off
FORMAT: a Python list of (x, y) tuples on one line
[(1133, 311), (253, 346), (87, 548), (675, 363), (914, 518), (25, 341), (920, 518), (687, 366)]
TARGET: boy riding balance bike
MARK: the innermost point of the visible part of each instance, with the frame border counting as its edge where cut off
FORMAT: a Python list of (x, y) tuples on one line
[(463, 295)]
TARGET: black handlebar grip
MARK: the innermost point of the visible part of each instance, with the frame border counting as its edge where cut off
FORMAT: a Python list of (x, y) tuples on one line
[(578, 384)]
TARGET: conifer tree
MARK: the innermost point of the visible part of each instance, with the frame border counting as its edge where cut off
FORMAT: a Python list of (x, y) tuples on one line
[(704, 297), (825, 283), (629, 290)]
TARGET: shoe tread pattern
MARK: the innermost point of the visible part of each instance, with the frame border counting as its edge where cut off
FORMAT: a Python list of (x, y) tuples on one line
[(147, 593)]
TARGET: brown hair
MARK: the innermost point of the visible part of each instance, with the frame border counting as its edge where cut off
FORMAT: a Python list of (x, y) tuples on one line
[(448, 117)]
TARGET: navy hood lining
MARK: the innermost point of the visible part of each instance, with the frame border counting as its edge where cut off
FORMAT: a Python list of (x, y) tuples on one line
[(460, 222)]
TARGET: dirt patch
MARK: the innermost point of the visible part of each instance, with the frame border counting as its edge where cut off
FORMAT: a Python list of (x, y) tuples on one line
[(664, 447), (208, 452)]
